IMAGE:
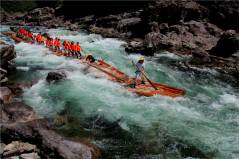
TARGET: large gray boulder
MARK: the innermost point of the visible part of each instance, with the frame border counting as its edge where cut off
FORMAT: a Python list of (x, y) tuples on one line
[(227, 45)]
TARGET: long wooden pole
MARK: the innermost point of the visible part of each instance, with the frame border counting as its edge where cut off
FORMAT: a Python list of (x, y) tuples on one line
[(146, 77)]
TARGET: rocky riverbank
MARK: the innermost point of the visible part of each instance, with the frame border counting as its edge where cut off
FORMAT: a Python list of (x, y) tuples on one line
[(200, 29), (24, 134)]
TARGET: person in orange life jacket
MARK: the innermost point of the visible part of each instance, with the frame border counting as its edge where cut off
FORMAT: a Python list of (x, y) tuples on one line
[(72, 48), (30, 35), (78, 50), (20, 32), (65, 46), (68, 47), (57, 44), (49, 42), (40, 39)]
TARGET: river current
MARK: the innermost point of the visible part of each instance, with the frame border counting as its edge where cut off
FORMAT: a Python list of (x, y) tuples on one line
[(204, 122)]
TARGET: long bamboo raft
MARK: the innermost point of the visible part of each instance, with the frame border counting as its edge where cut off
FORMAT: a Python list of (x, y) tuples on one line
[(116, 75)]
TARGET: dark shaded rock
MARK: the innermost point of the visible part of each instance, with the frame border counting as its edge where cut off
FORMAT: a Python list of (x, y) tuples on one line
[(3, 15), (110, 21), (7, 53), (3, 77), (138, 46), (163, 28), (227, 45), (222, 13), (132, 25), (86, 21), (13, 28), (172, 12), (106, 32), (200, 57), (56, 76)]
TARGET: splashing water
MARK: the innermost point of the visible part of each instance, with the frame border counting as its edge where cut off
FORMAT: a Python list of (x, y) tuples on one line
[(206, 118)]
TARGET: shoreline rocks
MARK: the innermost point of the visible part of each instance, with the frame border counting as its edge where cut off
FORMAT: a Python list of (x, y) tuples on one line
[(20, 122)]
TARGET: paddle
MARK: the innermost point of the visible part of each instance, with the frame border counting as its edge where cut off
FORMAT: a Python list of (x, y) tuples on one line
[(145, 76)]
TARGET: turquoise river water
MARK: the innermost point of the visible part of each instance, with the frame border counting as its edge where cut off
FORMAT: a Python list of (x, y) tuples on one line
[(202, 124)]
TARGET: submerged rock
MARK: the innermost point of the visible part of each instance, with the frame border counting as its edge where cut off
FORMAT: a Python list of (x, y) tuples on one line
[(56, 76)]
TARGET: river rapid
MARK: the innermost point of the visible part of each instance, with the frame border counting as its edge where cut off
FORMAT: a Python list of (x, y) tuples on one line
[(202, 124)]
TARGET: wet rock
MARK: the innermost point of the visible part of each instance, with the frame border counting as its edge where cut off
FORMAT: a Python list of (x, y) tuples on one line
[(3, 15), (40, 14), (106, 32), (199, 57), (129, 24), (110, 21), (163, 28), (13, 157), (56, 76), (86, 21), (3, 77), (6, 95), (24, 125), (73, 27), (29, 156), (227, 45), (7, 53), (138, 46), (20, 112), (184, 38), (17, 148), (2, 146)]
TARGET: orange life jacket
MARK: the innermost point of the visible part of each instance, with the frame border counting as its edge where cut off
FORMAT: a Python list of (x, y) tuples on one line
[(72, 47), (29, 34), (77, 48)]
